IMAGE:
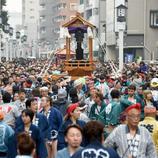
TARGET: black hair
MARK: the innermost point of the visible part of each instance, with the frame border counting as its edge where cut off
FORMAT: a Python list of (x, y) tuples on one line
[(132, 87), (73, 126), (73, 95), (115, 93), (29, 101), (93, 131), (55, 89), (6, 97), (22, 91), (29, 113)]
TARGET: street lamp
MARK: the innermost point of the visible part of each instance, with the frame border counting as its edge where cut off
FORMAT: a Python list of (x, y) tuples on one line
[(18, 34), (10, 43), (14, 48), (121, 19), (6, 30), (121, 13), (23, 40)]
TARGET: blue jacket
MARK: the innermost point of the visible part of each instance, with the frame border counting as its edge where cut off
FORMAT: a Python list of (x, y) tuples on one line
[(41, 122), (36, 136), (61, 105), (55, 120), (6, 133), (61, 141), (96, 150)]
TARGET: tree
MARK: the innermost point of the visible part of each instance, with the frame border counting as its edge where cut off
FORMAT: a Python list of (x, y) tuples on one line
[(3, 13)]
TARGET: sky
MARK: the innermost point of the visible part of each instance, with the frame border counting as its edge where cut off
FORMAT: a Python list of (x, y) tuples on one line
[(14, 5)]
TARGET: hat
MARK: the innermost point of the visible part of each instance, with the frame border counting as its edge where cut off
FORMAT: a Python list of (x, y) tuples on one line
[(149, 109), (77, 82), (62, 93), (134, 106), (154, 82), (71, 108), (1, 115)]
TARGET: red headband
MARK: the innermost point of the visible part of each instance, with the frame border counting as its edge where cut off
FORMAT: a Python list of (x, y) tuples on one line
[(71, 108), (134, 106)]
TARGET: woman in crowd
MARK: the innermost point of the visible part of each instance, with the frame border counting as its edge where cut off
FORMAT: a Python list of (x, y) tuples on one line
[(71, 117), (148, 99), (26, 146), (33, 131), (55, 119)]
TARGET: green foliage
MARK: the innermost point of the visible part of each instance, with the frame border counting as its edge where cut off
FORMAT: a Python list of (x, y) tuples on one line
[(4, 17), (3, 2), (4, 14)]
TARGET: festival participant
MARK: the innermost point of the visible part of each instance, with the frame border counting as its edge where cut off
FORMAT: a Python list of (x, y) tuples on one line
[(10, 110), (15, 97), (20, 104), (39, 119), (33, 131), (6, 132), (154, 88), (78, 86), (131, 98), (71, 117), (113, 110), (73, 137), (55, 120), (150, 123), (25, 145), (61, 102), (148, 99), (94, 134), (97, 111), (44, 91), (103, 87), (131, 140)]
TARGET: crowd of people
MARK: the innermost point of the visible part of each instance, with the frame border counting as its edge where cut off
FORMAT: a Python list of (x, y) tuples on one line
[(105, 115)]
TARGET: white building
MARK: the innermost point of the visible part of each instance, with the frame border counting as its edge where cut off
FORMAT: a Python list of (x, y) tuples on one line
[(15, 19), (92, 11), (30, 22), (141, 35)]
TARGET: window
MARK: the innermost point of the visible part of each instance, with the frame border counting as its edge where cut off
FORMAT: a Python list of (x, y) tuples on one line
[(56, 30), (154, 18), (43, 6), (42, 18), (95, 11), (32, 17), (60, 18), (81, 1), (73, 6), (31, 9), (59, 6), (43, 29)]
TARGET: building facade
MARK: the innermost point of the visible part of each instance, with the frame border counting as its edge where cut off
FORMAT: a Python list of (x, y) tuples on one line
[(53, 14), (141, 34), (30, 23), (94, 12)]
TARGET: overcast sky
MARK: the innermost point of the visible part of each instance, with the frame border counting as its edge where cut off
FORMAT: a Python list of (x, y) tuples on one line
[(14, 5)]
